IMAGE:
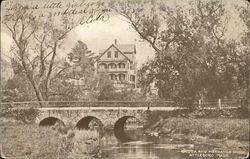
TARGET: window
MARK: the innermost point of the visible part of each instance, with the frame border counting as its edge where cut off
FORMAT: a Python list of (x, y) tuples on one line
[(121, 77), (113, 77), (110, 65), (121, 65), (113, 65), (109, 54), (116, 54), (132, 78), (102, 66)]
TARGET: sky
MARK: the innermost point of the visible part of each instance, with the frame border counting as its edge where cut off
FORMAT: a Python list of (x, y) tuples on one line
[(100, 35)]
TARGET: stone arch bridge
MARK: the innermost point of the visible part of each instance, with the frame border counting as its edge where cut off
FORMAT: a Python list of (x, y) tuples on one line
[(80, 114), (108, 113)]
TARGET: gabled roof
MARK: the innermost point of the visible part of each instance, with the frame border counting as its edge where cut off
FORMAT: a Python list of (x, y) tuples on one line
[(116, 49), (125, 48)]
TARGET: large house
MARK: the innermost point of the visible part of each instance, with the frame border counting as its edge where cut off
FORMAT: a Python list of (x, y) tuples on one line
[(118, 61)]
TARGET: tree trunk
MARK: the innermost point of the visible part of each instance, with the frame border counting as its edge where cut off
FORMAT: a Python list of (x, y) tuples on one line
[(36, 88), (47, 82)]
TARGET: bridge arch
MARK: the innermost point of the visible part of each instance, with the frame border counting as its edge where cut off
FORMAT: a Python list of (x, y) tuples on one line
[(119, 130), (50, 121), (84, 123)]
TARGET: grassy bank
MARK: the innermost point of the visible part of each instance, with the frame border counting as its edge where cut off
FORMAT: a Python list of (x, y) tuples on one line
[(235, 129), (31, 141), (226, 134)]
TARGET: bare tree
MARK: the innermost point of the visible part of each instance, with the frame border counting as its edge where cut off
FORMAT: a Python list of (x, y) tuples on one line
[(35, 49)]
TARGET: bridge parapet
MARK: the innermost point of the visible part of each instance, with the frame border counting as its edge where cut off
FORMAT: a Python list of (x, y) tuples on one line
[(58, 104), (201, 104)]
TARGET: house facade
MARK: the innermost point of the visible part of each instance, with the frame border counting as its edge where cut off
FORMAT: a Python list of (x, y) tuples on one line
[(118, 61)]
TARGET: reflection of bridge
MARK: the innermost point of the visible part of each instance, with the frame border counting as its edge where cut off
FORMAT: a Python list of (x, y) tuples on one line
[(80, 114)]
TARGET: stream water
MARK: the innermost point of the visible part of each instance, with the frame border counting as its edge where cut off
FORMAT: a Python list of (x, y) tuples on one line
[(149, 147)]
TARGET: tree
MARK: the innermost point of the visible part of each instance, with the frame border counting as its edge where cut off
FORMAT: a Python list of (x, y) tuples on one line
[(36, 43), (81, 54), (245, 16), (103, 89), (83, 61), (80, 68), (193, 58)]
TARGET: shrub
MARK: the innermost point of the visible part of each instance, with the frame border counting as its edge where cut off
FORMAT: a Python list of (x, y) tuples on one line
[(212, 128), (85, 142), (25, 115), (239, 113)]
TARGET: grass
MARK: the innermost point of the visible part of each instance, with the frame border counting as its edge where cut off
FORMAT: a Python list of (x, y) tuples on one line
[(236, 129), (227, 134), (86, 134), (32, 141), (85, 142)]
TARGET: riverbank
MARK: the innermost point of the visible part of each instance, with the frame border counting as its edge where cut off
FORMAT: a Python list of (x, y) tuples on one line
[(227, 133), (32, 141)]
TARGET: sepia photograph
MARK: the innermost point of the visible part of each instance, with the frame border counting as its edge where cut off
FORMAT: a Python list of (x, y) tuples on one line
[(124, 79)]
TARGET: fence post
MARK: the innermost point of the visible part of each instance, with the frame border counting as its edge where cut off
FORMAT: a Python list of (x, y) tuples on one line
[(119, 111), (148, 106), (199, 102), (219, 103)]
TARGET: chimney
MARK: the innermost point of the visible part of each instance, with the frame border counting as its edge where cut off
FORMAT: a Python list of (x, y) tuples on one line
[(115, 41)]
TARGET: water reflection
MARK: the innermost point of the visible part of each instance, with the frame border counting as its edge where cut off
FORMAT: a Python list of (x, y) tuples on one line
[(124, 143), (120, 126), (148, 147), (143, 147)]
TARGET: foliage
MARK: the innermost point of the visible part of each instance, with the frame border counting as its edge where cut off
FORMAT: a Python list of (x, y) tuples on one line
[(5, 71), (77, 76), (194, 58), (18, 88), (26, 116), (227, 128), (155, 116), (83, 61), (129, 94), (35, 48), (103, 89), (81, 55), (239, 113), (85, 142), (64, 91)]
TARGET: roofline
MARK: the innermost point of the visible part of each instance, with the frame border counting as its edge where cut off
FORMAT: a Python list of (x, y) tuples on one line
[(121, 61), (121, 52), (116, 49)]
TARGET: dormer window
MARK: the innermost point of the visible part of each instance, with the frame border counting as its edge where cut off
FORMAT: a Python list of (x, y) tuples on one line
[(109, 54), (116, 54)]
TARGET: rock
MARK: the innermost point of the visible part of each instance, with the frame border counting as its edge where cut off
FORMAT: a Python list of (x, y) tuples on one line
[(154, 134), (165, 131)]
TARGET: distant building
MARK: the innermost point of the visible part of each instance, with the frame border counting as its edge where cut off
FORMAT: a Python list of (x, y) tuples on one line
[(118, 61)]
